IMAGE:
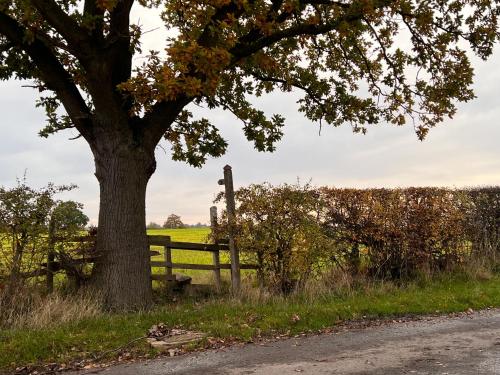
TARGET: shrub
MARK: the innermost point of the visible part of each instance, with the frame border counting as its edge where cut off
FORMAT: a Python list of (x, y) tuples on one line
[(294, 231), (401, 231), (483, 219), (30, 220), (24, 216), (278, 228)]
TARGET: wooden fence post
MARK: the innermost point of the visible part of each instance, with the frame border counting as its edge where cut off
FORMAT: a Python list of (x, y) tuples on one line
[(231, 218), (215, 254), (213, 220), (168, 264)]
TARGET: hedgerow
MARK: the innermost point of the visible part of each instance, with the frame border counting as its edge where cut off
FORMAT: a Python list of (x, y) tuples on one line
[(295, 232)]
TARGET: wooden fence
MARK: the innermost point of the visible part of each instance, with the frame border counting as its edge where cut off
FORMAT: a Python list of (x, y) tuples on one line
[(52, 266), (69, 265), (169, 245)]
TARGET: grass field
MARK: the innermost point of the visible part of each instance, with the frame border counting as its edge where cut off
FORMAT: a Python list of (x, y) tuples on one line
[(184, 235), (199, 235), (244, 319)]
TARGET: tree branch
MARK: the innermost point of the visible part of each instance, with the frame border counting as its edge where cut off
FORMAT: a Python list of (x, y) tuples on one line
[(118, 40), (352, 14), (91, 10), (241, 50), (64, 24), (318, 100), (220, 14), (327, 2), (162, 115), (120, 20), (51, 72)]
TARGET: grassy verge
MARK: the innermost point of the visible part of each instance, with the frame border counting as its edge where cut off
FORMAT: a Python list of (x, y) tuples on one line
[(243, 319)]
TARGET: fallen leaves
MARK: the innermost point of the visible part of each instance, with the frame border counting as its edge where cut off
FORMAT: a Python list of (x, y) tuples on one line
[(295, 318)]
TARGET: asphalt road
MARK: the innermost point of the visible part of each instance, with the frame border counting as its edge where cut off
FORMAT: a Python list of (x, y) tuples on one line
[(469, 344)]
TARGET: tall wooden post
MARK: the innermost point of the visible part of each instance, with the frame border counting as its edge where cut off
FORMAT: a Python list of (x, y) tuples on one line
[(168, 262), (215, 254), (231, 219), (213, 220)]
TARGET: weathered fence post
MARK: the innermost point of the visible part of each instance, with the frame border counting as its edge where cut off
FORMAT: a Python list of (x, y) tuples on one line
[(213, 221), (215, 254), (168, 263), (231, 219)]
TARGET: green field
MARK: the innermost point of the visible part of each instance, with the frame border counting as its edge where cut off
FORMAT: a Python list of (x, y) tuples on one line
[(199, 235), (184, 235)]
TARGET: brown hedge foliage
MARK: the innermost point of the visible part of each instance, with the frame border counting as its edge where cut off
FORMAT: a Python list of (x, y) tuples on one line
[(388, 233), (483, 222), (401, 231)]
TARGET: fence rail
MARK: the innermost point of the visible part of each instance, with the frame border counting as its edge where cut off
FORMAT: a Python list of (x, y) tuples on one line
[(215, 249), (52, 265), (167, 263)]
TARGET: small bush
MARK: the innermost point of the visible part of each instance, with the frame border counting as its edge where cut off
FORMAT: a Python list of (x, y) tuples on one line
[(277, 228), (30, 222), (24, 213)]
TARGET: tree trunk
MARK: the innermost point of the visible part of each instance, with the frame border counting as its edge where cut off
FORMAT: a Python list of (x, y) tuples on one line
[(123, 272)]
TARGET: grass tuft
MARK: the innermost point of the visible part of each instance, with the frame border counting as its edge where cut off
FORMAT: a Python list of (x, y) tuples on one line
[(30, 309)]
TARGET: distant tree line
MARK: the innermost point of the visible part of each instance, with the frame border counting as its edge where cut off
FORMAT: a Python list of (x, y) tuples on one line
[(174, 222)]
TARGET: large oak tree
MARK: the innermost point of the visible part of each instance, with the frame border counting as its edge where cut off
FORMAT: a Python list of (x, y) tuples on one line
[(359, 62)]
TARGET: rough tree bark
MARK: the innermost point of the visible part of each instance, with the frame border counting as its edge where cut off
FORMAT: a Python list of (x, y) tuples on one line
[(123, 272)]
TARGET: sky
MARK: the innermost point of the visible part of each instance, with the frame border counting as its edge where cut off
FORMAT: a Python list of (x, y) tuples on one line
[(463, 151)]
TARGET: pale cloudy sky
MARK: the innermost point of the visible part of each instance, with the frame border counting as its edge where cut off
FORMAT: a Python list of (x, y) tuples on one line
[(463, 151)]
